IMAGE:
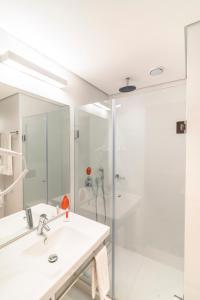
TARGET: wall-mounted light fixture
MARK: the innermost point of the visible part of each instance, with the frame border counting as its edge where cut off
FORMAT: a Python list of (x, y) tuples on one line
[(102, 106), (27, 67)]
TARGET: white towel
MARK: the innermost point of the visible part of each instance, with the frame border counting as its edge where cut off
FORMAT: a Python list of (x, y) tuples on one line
[(94, 279), (100, 275), (6, 167), (1, 206)]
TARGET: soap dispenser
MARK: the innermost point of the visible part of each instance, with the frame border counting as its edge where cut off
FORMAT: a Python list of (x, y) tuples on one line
[(65, 205)]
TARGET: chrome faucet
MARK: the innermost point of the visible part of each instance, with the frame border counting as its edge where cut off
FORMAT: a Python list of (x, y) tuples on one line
[(43, 224)]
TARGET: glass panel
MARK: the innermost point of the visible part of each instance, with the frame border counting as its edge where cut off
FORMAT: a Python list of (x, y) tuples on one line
[(58, 155), (149, 202), (93, 152), (47, 148), (35, 150)]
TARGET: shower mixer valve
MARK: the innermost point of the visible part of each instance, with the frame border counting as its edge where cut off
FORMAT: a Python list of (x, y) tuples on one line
[(88, 181)]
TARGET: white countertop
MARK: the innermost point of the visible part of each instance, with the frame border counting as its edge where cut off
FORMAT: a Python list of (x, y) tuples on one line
[(26, 273)]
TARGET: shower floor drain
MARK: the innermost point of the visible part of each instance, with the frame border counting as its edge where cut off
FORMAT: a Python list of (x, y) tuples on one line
[(53, 258)]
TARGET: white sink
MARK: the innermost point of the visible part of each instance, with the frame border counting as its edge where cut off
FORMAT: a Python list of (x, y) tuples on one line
[(62, 241), (25, 267)]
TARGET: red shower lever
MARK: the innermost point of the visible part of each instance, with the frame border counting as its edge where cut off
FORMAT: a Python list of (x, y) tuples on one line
[(88, 170)]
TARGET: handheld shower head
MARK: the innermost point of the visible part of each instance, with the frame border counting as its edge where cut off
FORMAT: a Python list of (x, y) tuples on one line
[(101, 171)]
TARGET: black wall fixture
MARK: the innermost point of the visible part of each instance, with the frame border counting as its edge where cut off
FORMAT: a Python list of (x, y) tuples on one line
[(181, 127)]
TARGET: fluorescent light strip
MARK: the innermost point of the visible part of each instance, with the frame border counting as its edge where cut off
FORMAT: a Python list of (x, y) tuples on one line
[(99, 105), (22, 65), (13, 64)]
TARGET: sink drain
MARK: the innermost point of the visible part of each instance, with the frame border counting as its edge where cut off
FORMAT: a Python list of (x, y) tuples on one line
[(53, 258)]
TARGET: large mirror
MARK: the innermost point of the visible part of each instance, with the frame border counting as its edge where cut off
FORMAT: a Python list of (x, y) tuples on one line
[(39, 130)]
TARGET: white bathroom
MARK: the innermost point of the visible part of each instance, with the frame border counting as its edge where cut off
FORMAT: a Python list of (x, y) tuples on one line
[(99, 150)]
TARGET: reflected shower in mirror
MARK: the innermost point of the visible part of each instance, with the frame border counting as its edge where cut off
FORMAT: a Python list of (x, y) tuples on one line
[(39, 131)]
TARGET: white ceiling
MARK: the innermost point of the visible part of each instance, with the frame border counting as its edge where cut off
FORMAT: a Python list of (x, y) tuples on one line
[(103, 41)]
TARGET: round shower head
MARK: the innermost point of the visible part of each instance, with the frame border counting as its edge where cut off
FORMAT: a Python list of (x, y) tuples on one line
[(127, 88)]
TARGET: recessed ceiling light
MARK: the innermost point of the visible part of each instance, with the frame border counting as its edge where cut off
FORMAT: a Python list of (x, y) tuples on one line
[(156, 71)]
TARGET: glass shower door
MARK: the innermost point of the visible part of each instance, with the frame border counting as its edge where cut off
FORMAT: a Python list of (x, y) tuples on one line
[(58, 155), (35, 150), (149, 195)]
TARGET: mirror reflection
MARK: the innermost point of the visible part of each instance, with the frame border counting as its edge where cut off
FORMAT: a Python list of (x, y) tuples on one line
[(34, 161)]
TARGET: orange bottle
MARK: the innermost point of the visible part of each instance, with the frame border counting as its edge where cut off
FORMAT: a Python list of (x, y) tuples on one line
[(65, 204)]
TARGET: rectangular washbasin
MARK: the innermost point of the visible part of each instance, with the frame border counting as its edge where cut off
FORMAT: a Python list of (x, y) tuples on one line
[(63, 240), (24, 264)]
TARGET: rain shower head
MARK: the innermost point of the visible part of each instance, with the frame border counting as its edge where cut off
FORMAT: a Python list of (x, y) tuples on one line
[(127, 88)]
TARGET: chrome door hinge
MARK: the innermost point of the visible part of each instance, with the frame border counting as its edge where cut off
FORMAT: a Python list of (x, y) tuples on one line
[(76, 134), (23, 138)]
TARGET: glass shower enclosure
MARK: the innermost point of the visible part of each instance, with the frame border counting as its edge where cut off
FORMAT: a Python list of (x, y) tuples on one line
[(93, 179), (135, 142), (45, 144)]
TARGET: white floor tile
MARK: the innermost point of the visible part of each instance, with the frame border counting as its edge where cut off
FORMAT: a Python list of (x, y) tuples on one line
[(141, 278)]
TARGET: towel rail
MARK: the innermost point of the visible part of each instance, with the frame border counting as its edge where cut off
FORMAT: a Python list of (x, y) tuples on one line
[(76, 276), (14, 132)]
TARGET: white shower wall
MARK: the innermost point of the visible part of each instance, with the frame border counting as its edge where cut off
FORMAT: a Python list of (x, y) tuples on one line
[(151, 158)]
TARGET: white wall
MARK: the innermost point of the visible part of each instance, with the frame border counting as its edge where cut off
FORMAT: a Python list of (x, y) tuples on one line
[(151, 158), (30, 106), (192, 221)]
